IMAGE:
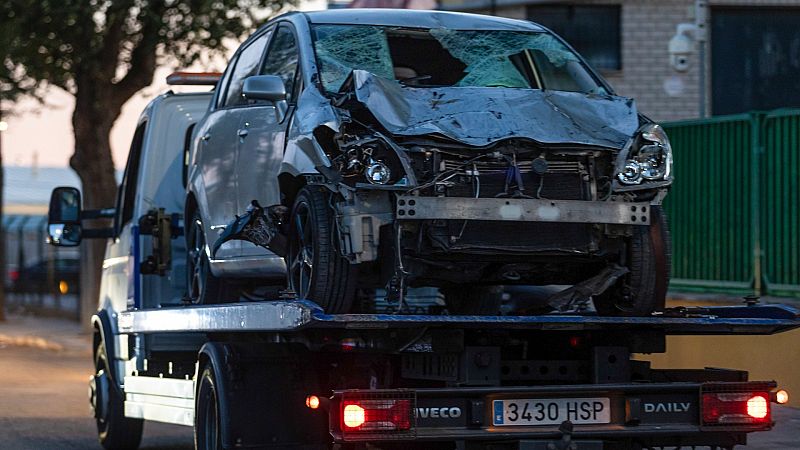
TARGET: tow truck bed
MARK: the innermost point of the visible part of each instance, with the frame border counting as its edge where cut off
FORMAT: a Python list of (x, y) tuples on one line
[(300, 314)]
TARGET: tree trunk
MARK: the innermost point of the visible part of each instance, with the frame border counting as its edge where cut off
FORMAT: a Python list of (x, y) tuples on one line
[(3, 269), (94, 115)]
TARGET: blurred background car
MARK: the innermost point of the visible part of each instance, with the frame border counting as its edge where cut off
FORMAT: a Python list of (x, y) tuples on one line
[(58, 277)]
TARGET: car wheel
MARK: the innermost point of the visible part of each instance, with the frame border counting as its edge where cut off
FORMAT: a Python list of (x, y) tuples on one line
[(473, 300), (649, 260), (315, 268), (202, 286), (114, 430)]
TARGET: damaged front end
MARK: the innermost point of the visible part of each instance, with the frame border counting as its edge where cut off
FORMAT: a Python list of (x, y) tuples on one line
[(551, 204)]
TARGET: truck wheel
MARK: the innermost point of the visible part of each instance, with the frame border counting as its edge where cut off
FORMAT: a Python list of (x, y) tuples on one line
[(202, 286), (114, 430), (649, 258), (315, 268), (473, 300), (207, 430)]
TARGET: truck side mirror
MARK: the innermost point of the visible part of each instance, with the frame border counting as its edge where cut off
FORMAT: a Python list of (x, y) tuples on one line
[(64, 217), (264, 87)]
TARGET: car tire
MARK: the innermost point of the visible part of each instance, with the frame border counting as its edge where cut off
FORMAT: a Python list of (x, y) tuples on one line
[(202, 287), (315, 268), (114, 430), (473, 300), (649, 259)]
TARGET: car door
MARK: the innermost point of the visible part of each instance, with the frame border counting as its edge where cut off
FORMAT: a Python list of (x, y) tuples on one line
[(263, 127), (116, 286), (218, 138)]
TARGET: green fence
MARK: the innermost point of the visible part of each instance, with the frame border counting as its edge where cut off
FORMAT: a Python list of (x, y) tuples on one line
[(734, 204)]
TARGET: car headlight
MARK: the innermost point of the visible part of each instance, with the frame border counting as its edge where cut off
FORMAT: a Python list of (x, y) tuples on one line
[(650, 158)]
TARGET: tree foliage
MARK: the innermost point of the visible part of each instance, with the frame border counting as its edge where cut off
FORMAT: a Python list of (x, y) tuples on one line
[(103, 52), (118, 42)]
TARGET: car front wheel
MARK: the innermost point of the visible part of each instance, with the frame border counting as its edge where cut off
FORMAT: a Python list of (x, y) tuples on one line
[(316, 269), (649, 259)]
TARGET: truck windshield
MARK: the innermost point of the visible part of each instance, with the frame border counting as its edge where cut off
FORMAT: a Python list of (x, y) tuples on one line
[(443, 57)]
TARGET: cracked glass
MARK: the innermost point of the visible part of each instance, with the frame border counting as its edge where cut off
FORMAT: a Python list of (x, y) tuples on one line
[(445, 57)]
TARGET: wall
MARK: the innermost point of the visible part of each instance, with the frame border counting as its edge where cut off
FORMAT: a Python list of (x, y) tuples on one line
[(647, 26)]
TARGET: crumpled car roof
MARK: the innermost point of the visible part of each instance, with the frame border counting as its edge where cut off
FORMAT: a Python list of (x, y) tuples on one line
[(481, 116)]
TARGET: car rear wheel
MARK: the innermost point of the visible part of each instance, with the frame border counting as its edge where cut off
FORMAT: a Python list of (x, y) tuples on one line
[(473, 300), (315, 268), (202, 286)]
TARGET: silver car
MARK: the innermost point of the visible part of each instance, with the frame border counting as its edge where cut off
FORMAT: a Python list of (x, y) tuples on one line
[(352, 150)]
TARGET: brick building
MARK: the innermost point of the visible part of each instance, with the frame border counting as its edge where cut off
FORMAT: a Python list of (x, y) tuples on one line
[(752, 51)]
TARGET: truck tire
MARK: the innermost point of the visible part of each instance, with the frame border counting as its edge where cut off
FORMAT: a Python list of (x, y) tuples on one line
[(649, 259), (207, 428), (315, 268), (202, 287), (473, 300), (114, 430)]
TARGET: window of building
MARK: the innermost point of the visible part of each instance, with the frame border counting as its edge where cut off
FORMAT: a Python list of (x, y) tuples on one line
[(594, 30)]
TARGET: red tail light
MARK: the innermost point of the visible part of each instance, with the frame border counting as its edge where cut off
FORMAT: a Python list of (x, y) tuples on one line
[(376, 415), (13, 275), (730, 408)]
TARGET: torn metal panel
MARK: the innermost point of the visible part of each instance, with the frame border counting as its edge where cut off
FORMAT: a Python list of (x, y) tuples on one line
[(256, 225), (481, 116)]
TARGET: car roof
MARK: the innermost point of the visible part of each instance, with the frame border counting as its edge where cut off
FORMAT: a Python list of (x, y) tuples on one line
[(419, 19)]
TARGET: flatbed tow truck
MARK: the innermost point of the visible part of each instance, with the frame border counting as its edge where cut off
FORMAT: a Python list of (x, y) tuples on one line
[(501, 382), (280, 373)]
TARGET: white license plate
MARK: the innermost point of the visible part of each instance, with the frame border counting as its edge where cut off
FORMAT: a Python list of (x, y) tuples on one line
[(551, 411)]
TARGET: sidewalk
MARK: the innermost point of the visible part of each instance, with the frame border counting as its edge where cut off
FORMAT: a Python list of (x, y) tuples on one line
[(44, 333)]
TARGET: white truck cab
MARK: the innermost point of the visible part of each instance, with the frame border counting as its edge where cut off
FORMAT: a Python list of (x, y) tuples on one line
[(154, 179)]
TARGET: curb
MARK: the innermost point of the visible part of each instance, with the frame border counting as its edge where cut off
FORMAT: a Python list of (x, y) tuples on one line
[(29, 341)]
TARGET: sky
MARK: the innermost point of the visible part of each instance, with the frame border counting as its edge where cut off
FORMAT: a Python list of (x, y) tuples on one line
[(41, 135)]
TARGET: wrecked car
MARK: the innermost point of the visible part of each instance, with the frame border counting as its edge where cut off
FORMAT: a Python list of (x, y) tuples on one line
[(358, 149)]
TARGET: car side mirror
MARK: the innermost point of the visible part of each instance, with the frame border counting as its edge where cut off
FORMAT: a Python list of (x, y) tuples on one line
[(264, 87), (64, 217)]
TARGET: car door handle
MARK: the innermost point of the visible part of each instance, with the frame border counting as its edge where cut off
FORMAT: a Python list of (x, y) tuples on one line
[(242, 132), (205, 137)]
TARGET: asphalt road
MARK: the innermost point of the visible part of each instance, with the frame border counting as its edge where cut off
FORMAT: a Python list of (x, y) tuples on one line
[(44, 368), (43, 400)]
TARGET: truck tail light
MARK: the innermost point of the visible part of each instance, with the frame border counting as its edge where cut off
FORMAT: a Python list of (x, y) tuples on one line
[(377, 415), (731, 408), (782, 397), (368, 416)]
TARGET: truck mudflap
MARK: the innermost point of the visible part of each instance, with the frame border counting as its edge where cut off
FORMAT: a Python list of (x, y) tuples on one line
[(656, 414)]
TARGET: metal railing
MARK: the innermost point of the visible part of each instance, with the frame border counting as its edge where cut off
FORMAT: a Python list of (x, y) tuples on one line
[(39, 278), (734, 204)]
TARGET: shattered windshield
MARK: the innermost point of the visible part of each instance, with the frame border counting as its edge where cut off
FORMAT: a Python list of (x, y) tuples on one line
[(444, 57)]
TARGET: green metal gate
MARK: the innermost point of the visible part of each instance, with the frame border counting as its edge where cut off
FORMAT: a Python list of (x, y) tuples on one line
[(734, 204), (780, 203)]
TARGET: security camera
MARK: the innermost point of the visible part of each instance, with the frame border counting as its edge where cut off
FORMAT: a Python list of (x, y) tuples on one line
[(681, 47)]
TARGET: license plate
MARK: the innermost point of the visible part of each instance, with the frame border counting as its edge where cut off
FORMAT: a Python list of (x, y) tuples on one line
[(551, 411)]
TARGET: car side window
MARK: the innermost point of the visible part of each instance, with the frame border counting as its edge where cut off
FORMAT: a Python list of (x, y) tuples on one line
[(246, 66), (282, 59), (222, 85)]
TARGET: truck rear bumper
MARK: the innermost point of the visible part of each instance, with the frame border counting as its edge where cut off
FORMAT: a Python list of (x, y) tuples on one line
[(656, 414)]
